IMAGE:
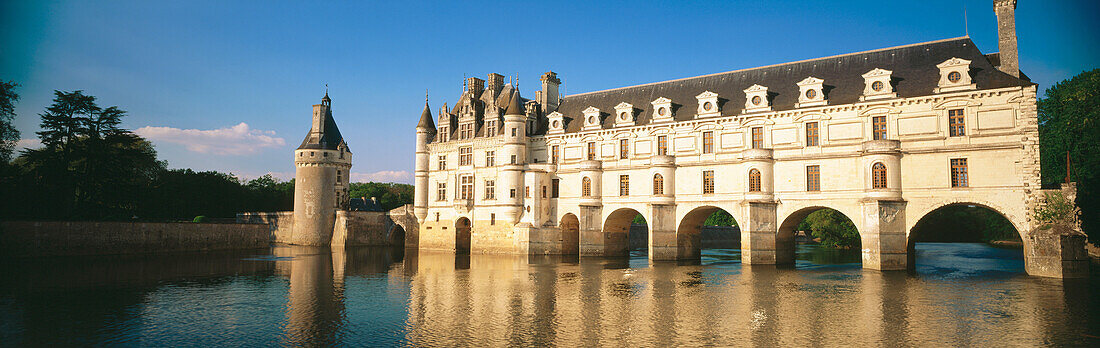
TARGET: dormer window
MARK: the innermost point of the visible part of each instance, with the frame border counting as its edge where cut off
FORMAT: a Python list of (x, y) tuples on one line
[(756, 99), (662, 110), (557, 123), (811, 92), (878, 85), (624, 115), (592, 118), (954, 76), (708, 105)]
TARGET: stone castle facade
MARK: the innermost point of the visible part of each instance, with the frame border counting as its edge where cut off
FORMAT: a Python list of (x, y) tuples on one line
[(883, 136)]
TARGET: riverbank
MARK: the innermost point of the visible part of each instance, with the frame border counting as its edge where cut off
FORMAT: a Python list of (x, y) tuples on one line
[(70, 238)]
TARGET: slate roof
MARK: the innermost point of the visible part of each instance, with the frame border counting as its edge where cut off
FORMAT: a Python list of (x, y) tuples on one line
[(914, 74), (515, 105), (330, 139), (426, 119)]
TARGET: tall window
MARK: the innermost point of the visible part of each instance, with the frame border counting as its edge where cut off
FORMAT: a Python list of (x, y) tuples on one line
[(959, 177), (658, 184), (591, 151), (878, 176), (757, 137), (554, 154), (624, 185), (465, 156), (490, 158), (514, 159), (339, 176), (490, 189), (441, 191), (811, 134), (624, 148), (443, 134), (708, 142), (527, 191), (586, 187), (442, 162), (555, 188), (491, 128), (956, 121), (754, 180), (466, 131), (708, 181), (662, 145), (878, 127), (466, 186), (813, 178)]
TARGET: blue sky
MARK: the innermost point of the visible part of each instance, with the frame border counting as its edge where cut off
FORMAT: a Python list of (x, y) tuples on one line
[(228, 86)]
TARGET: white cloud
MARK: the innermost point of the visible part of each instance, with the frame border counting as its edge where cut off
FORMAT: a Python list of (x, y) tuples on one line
[(399, 176), (23, 144), (234, 141)]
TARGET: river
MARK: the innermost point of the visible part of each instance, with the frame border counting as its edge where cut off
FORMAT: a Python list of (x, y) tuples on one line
[(960, 294)]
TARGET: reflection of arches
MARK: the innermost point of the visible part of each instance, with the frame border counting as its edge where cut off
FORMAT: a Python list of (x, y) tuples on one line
[(785, 236), (616, 230), (689, 231), (921, 229), (570, 234), (462, 236)]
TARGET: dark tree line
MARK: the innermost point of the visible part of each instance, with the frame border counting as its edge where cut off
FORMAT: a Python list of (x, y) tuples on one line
[(89, 168), (1069, 122)]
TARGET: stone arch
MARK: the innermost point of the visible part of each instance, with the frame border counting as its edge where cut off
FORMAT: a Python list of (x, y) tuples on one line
[(462, 235), (910, 235), (616, 231), (785, 234), (689, 230), (570, 234)]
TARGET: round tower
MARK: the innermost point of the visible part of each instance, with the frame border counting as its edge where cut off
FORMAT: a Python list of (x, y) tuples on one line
[(322, 166), (514, 152), (425, 130)]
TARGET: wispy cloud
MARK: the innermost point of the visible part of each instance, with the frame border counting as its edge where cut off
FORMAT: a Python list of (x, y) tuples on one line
[(399, 176), (232, 141), (23, 144)]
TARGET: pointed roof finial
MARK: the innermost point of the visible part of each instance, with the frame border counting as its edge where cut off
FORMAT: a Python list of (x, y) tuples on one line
[(326, 98)]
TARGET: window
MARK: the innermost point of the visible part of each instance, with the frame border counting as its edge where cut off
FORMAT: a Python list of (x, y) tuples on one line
[(877, 86), (959, 178), (543, 191), (811, 93), (756, 100), (555, 188), (466, 187), (492, 218), (624, 185), (708, 142), (956, 121), (586, 187), (465, 156), (527, 191), (954, 77), (443, 162), (490, 158), (514, 159), (757, 137), (441, 191), (490, 189), (491, 128), (662, 145), (811, 133), (339, 176), (513, 131), (512, 193), (466, 131), (813, 178), (443, 134), (591, 151), (754, 180), (554, 154), (878, 176), (708, 181), (658, 184), (624, 148), (878, 127)]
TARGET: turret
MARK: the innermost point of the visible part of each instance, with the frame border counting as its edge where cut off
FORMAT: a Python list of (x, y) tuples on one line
[(1006, 31), (322, 169), (425, 130), (513, 153)]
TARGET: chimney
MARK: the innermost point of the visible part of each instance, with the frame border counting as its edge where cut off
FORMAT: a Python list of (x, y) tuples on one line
[(494, 84), (475, 86), (1006, 31), (548, 96)]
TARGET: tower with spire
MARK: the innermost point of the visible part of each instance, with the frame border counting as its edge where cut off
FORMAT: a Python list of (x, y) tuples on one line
[(322, 167), (425, 131)]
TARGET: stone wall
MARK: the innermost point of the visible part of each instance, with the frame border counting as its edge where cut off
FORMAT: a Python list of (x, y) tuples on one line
[(280, 223), (32, 238), (366, 228)]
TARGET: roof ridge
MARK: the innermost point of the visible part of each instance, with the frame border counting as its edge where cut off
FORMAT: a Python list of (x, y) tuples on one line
[(774, 65)]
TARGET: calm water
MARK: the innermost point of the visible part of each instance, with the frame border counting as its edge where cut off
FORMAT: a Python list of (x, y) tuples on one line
[(960, 295)]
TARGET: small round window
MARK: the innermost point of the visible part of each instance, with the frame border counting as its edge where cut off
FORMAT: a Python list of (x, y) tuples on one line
[(622, 116), (662, 111), (811, 93), (591, 119), (954, 77), (756, 100), (876, 86), (557, 124), (708, 106)]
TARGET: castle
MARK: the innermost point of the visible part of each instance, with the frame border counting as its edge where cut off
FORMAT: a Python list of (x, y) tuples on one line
[(883, 136), (322, 166)]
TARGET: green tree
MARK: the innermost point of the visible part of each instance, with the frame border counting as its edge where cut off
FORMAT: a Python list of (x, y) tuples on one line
[(720, 218), (8, 134), (390, 195), (1069, 122), (832, 228)]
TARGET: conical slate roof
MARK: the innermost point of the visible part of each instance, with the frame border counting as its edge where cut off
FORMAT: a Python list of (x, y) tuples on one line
[(426, 118), (515, 106), (330, 138)]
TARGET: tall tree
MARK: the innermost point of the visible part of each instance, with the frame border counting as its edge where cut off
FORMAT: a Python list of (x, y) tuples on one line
[(1069, 122), (8, 134), (66, 120)]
